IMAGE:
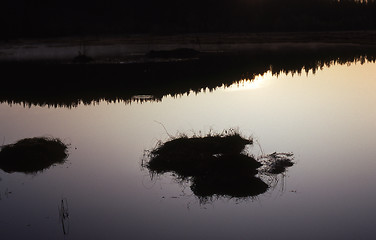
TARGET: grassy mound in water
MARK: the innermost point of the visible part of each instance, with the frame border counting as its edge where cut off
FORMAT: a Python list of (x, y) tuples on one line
[(31, 155), (208, 155), (216, 165)]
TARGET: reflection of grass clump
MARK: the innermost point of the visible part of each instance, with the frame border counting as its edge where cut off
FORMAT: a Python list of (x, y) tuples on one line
[(31, 155), (214, 164), (232, 185)]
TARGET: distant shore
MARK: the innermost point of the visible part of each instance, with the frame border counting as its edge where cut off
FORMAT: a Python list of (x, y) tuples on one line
[(132, 47)]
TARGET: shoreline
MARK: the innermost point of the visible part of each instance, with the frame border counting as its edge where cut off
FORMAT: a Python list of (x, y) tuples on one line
[(134, 47)]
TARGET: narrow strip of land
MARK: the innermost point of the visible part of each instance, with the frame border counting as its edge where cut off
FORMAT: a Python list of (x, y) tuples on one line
[(109, 47)]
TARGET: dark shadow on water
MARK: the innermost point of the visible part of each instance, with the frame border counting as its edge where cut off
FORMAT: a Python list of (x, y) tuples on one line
[(215, 165), (57, 84), (32, 155)]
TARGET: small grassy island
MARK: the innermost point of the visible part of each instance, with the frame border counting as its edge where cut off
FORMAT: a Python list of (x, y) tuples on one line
[(216, 164), (32, 155)]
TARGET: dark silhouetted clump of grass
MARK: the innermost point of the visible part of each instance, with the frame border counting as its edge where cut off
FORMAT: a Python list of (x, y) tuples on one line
[(201, 155), (216, 164), (31, 155)]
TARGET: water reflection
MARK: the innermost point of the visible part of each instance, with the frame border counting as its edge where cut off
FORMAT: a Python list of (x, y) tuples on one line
[(247, 83), (327, 120), (68, 85)]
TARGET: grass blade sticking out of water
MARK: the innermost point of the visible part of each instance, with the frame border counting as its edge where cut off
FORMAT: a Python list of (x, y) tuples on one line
[(64, 215)]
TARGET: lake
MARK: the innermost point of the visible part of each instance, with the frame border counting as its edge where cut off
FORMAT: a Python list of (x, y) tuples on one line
[(325, 117)]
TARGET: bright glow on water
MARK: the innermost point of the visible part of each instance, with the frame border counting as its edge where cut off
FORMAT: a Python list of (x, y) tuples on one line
[(327, 120), (246, 84)]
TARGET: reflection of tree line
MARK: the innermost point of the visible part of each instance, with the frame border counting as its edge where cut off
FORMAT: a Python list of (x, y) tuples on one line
[(69, 17), (68, 85)]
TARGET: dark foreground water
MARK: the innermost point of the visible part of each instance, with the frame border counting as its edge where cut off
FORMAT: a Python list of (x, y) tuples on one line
[(327, 119)]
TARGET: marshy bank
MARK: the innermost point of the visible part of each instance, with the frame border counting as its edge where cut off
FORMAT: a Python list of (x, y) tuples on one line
[(32, 155), (216, 165)]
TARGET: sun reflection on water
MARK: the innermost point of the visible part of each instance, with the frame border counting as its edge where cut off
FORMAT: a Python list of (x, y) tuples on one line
[(258, 81)]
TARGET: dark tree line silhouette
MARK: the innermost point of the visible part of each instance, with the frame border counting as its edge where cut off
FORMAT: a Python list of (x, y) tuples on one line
[(44, 18)]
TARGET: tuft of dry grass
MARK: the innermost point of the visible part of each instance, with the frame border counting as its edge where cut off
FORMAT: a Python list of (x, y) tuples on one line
[(198, 155), (276, 163), (216, 164), (31, 155)]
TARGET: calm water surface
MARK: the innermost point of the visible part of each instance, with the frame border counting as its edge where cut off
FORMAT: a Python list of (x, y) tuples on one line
[(327, 119)]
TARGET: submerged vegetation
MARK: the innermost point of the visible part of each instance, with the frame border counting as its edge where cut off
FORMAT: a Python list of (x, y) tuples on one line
[(31, 155), (216, 164)]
